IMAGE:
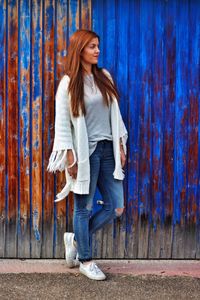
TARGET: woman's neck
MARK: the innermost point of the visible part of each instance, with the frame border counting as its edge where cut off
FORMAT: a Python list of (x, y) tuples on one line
[(87, 69)]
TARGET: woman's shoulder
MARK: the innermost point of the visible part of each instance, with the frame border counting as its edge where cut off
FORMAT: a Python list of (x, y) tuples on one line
[(63, 83), (64, 79)]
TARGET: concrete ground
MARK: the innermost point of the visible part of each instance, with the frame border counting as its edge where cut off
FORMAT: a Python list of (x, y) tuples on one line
[(126, 279)]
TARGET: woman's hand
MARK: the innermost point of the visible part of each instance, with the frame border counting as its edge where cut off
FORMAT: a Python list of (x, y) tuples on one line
[(73, 171), (70, 160), (122, 156)]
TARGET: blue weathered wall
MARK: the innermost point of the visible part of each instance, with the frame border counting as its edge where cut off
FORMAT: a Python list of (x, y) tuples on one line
[(152, 48)]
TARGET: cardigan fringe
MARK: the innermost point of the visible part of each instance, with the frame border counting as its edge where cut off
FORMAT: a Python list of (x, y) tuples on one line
[(57, 161)]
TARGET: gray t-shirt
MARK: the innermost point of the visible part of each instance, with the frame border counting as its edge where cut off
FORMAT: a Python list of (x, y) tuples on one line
[(98, 119)]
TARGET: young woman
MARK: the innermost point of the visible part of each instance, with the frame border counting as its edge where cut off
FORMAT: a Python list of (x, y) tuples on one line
[(90, 145)]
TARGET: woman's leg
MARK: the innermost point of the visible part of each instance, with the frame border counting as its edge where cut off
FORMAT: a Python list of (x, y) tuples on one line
[(83, 208), (111, 190)]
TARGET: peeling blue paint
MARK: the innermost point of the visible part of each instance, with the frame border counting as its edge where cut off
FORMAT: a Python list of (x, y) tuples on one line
[(35, 225)]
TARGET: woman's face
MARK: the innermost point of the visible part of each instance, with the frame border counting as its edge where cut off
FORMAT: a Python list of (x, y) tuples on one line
[(91, 51)]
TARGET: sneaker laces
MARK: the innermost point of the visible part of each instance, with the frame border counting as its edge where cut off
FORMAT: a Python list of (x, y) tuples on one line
[(76, 260), (94, 268)]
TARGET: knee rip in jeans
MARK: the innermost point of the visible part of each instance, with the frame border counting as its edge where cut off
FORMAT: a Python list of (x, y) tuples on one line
[(89, 207), (119, 211)]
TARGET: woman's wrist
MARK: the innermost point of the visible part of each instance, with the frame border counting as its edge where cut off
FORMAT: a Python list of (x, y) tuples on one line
[(70, 158), (71, 165)]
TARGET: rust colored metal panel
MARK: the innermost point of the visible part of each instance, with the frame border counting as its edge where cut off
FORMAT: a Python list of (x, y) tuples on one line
[(157, 132), (36, 111), (121, 72), (169, 62), (24, 45), (48, 122), (145, 154), (3, 186), (74, 16), (193, 133), (181, 133), (12, 131), (85, 14), (132, 212)]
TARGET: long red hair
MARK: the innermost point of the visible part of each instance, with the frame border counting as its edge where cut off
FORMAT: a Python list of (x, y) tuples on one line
[(74, 70)]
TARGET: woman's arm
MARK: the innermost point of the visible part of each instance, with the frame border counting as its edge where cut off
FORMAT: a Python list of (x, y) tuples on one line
[(63, 150), (122, 154)]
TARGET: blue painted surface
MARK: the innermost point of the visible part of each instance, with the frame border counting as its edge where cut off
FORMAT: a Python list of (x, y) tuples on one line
[(152, 49)]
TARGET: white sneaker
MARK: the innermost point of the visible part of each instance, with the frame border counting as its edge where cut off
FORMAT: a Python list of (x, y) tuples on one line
[(92, 271), (71, 254)]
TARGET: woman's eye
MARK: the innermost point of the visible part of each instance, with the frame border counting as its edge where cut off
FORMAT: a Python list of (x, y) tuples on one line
[(93, 46)]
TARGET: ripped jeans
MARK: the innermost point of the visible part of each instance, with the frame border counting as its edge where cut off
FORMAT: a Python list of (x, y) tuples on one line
[(102, 166)]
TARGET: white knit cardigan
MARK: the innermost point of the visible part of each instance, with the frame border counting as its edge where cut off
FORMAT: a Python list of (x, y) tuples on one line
[(71, 133)]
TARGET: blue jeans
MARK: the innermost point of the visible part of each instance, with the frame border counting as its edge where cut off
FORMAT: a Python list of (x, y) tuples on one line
[(102, 166)]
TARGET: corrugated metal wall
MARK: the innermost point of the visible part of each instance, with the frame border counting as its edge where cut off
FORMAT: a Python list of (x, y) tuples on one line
[(153, 50)]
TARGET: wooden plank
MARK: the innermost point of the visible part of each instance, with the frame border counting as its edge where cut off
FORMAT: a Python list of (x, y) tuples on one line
[(3, 56), (181, 134), (196, 52), (122, 83), (193, 120), (60, 57), (157, 130), (97, 244), (190, 240), (107, 242), (85, 14), (74, 16), (134, 89), (166, 238), (12, 131), (145, 155), (98, 25), (24, 139), (169, 65), (36, 131), (109, 62), (73, 25), (48, 113), (143, 236)]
